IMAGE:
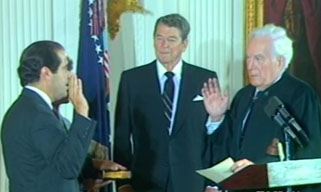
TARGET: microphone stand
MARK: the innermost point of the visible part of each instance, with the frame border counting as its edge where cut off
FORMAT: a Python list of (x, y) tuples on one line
[(276, 110), (288, 155), (288, 134)]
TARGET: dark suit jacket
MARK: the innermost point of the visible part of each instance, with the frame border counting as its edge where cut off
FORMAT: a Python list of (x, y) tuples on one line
[(39, 153), (298, 98), (158, 158)]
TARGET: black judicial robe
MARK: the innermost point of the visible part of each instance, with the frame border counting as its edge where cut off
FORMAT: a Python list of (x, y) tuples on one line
[(299, 99)]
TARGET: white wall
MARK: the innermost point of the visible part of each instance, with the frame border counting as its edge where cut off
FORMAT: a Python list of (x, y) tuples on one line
[(216, 40), (23, 22)]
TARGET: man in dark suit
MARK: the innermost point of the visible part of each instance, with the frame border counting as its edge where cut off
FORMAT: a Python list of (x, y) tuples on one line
[(40, 153), (160, 126), (247, 131), (90, 176)]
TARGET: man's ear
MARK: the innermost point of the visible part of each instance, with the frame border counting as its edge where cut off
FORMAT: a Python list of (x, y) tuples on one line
[(45, 73), (281, 61), (185, 42)]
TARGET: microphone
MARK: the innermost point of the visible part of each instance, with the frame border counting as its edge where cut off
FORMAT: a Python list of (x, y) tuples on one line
[(272, 112), (276, 103)]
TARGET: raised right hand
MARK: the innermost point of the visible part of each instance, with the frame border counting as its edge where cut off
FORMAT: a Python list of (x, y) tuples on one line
[(76, 96), (215, 101)]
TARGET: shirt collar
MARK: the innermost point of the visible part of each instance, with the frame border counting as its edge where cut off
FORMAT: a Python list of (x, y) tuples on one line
[(42, 94), (161, 70)]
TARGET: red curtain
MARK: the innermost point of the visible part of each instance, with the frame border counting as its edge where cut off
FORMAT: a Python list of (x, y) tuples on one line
[(312, 16), (275, 12)]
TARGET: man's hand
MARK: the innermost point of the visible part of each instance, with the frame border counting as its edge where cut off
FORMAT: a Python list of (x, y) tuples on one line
[(241, 164), (215, 101), (211, 190), (102, 165), (76, 96), (126, 188), (105, 165), (94, 184)]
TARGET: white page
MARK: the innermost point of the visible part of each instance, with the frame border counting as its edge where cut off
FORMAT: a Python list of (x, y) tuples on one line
[(218, 172)]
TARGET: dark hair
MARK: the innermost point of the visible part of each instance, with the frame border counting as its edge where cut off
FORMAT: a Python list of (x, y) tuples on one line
[(36, 56), (174, 20)]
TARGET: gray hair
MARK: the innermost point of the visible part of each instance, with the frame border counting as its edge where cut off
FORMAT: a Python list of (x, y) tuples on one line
[(282, 44), (174, 20)]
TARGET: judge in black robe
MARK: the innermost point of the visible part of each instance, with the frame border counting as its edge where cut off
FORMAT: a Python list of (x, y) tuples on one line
[(253, 141), (247, 132)]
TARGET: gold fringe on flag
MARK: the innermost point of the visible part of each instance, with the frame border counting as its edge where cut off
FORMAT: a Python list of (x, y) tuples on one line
[(97, 150), (117, 7)]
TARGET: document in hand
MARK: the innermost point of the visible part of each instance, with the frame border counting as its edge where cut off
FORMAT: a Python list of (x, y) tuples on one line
[(218, 172)]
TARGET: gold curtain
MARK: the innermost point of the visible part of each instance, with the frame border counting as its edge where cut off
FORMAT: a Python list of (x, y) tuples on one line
[(254, 15), (254, 19)]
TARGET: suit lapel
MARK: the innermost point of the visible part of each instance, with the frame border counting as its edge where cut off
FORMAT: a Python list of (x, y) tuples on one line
[(153, 86), (154, 92), (39, 101), (185, 97)]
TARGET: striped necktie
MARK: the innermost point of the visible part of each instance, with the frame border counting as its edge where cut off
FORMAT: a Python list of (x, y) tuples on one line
[(167, 97)]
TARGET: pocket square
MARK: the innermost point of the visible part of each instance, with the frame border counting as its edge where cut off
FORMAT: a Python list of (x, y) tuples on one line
[(198, 98)]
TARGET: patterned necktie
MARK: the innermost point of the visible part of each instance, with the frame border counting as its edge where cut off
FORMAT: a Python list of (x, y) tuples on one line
[(167, 97)]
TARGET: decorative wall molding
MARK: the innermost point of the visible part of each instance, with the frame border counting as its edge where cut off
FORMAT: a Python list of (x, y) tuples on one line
[(23, 22), (215, 42)]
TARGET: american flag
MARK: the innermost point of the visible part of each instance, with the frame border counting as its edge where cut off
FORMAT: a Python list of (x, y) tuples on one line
[(97, 25), (93, 68)]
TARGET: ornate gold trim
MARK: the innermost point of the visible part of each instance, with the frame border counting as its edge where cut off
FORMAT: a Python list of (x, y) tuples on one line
[(254, 19), (255, 15), (117, 7)]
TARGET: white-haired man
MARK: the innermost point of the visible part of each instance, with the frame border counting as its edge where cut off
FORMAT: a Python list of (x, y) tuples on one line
[(246, 131)]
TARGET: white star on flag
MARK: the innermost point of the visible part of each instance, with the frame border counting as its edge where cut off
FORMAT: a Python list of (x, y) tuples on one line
[(95, 37), (90, 12), (101, 60), (98, 49), (90, 2)]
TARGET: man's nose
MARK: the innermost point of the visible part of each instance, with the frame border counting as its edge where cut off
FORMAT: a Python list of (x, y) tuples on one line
[(165, 43)]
